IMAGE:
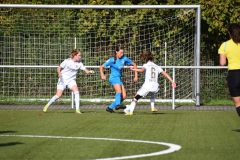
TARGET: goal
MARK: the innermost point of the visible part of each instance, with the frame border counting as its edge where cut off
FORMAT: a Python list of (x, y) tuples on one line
[(35, 39)]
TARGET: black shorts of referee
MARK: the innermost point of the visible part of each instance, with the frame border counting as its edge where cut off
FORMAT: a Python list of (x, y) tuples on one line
[(233, 80)]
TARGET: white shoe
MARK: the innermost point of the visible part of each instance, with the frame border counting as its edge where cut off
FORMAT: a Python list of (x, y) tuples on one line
[(153, 109), (78, 111), (127, 111), (45, 108), (129, 114)]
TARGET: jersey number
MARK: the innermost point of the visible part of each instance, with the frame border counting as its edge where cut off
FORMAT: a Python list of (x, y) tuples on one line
[(153, 73)]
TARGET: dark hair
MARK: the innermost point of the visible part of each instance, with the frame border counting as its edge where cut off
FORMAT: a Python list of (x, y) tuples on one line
[(234, 31), (146, 56), (117, 49), (74, 52)]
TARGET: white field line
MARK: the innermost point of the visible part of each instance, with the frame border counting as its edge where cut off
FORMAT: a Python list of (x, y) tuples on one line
[(172, 147)]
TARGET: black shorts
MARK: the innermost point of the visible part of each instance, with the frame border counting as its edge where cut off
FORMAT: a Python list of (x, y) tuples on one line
[(233, 80)]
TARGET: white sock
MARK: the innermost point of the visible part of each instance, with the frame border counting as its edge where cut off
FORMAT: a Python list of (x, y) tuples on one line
[(152, 100), (152, 105), (52, 100), (76, 98), (133, 105)]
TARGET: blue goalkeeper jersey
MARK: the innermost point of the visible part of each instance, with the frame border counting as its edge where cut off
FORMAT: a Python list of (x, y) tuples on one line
[(116, 68)]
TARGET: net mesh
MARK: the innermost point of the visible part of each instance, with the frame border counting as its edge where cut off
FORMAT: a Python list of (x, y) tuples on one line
[(45, 37)]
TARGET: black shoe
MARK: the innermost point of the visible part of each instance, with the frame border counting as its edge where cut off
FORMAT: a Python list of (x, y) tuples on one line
[(120, 107), (109, 110)]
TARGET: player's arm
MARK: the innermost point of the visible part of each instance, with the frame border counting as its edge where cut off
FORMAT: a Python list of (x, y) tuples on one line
[(222, 54), (135, 72), (222, 60), (89, 71), (169, 78), (101, 68), (83, 68), (137, 69), (59, 69), (130, 62)]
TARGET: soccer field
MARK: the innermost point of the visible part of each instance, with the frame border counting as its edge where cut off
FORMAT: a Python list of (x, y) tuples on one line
[(96, 134)]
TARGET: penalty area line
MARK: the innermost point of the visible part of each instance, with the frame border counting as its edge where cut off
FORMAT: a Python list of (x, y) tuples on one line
[(172, 147)]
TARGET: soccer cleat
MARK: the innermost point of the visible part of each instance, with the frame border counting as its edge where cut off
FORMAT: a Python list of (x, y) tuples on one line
[(120, 107), (109, 110), (78, 111), (153, 109), (45, 108), (127, 112)]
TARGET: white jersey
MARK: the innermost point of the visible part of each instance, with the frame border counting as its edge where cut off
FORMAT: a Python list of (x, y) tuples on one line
[(70, 69), (151, 75)]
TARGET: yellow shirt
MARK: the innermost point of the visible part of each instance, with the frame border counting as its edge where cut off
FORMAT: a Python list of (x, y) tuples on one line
[(232, 51)]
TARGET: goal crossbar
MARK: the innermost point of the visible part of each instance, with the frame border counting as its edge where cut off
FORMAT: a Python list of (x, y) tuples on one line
[(99, 6), (170, 67)]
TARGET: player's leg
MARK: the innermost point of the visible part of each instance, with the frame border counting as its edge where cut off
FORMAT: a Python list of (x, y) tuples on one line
[(116, 83), (124, 96), (233, 80), (75, 91), (118, 90), (60, 88), (143, 91), (237, 104), (140, 93), (124, 93), (54, 98), (152, 102), (130, 108)]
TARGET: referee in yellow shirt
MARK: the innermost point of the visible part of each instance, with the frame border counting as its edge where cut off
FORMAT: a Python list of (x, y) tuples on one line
[(229, 52)]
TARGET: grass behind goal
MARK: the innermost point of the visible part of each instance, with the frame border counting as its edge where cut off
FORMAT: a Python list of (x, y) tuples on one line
[(204, 135)]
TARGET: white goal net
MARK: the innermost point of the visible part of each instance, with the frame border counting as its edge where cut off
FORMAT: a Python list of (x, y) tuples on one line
[(34, 40)]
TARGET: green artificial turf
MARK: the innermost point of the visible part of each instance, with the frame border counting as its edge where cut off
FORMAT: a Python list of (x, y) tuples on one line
[(203, 135)]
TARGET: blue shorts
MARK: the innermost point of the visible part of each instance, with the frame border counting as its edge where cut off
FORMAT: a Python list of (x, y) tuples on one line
[(115, 80)]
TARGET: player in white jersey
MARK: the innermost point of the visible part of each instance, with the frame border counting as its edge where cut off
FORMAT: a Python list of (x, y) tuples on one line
[(67, 72), (150, 84)]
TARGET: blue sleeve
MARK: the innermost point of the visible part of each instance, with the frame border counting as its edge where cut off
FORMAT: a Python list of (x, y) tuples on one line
[(128, 61), (108, 63)]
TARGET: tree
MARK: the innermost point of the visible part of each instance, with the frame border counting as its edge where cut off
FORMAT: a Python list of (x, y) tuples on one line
[(216, 15)]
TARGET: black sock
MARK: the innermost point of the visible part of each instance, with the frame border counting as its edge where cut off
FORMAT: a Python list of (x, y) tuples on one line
[(137, 97), (238, 110)]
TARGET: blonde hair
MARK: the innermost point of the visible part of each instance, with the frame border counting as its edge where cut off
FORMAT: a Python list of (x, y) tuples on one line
[(74, 52)]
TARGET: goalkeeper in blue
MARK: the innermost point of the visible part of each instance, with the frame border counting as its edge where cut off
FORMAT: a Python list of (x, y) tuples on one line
[(150, 85), (67, 72), (116, 65)]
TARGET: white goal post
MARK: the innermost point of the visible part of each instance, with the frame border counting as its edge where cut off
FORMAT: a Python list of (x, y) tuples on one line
[(34, 39)]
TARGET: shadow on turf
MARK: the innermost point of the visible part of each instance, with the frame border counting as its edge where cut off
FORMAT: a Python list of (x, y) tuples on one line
[(73, 112), (10, 144), (143, 113), (236, 130), (3, 132)]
